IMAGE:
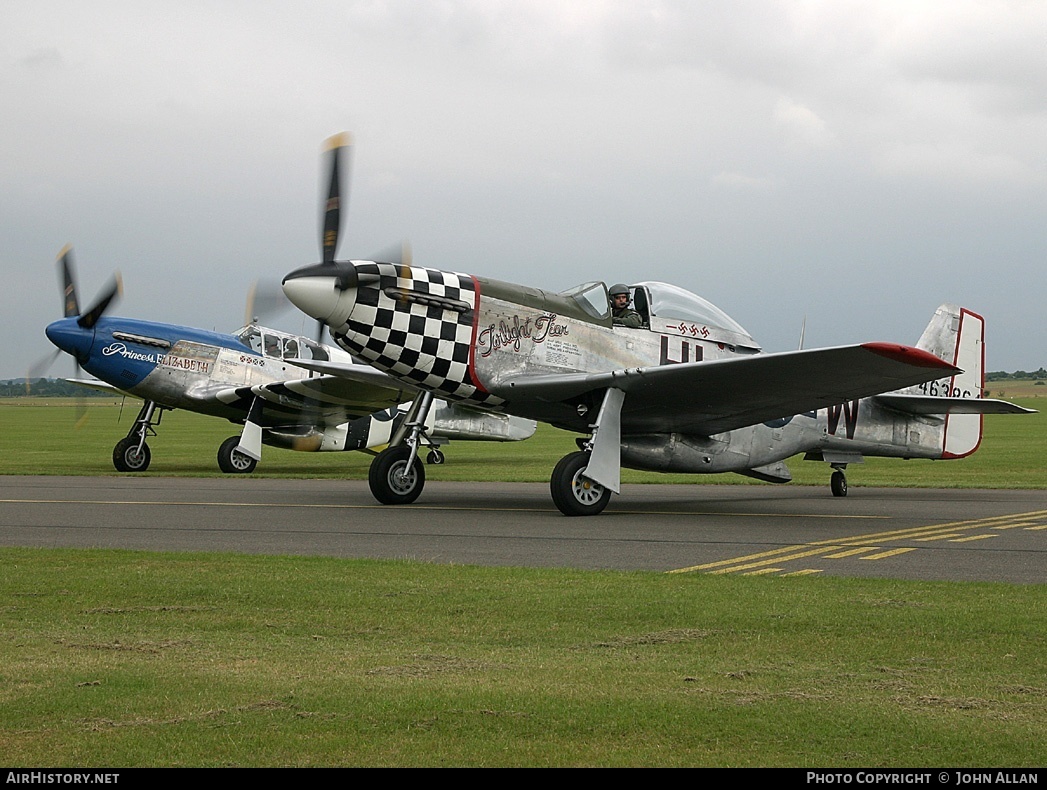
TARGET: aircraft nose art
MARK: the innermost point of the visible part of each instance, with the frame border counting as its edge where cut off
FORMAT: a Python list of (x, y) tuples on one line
[(71, 338)]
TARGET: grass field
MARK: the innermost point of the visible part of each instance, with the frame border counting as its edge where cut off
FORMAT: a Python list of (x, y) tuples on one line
[(126, 659), (122, 659), (47, 436)]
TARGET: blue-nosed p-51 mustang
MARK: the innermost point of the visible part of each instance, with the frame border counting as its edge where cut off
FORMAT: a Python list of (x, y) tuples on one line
[(678, 386), (249, 377)]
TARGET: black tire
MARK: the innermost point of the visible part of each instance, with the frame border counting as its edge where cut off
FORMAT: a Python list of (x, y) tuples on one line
[(391, 481), (233, 462), (838, 484), (573, 493), (127, 457), (435, 457)]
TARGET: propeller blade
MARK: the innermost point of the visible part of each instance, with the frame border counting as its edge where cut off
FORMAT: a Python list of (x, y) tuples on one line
[(90, 318), (71, 305), (338, 148), (265, 299), (400, 254), (40, 367)]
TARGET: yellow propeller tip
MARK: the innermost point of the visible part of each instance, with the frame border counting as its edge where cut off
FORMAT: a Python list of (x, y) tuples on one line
[(340, 140)]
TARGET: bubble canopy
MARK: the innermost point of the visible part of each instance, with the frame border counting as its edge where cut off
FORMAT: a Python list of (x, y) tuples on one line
[(669, 302)]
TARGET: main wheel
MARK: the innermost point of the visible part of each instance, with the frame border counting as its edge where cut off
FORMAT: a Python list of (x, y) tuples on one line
[(128, 458), (573, 493), (232, 461), (393, 480), (838, 483)]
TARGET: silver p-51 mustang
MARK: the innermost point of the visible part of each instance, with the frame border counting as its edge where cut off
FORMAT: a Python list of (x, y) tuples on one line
[(687, 390)]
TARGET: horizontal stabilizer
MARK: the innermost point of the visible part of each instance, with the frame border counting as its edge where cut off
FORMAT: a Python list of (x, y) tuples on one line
[(931, 405)]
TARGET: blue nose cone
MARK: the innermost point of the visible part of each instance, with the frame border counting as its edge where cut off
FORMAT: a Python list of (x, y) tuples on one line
[(71, 338)]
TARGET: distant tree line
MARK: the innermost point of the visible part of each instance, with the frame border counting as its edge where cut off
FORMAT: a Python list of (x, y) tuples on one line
[(1018, 374), (48, 388)]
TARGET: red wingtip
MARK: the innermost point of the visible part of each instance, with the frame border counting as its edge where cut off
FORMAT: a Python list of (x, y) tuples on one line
[(910, 356)]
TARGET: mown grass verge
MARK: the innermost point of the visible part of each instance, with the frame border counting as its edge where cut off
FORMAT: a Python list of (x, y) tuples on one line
[(122, 659), (44, 437)]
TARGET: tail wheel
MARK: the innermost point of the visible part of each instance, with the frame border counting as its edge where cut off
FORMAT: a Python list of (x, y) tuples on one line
[(127, 457), (232, 461), (396, 476), (573, 493), (838, 484)]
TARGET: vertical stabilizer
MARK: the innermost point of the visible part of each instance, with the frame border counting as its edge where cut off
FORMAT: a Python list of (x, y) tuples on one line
[(957, 335)]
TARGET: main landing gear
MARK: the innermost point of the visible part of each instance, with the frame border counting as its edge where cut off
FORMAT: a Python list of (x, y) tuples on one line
[(582, 483), (838, 481), (397, 476), (232, 461), (131, 453), (573, 493)]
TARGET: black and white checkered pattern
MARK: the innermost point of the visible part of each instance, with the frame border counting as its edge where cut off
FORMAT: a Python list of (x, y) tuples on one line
[(428, 345)]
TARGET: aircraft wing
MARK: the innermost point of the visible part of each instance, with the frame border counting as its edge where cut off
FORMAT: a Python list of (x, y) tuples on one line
[(324, 398), (363, 374), (711, 397)]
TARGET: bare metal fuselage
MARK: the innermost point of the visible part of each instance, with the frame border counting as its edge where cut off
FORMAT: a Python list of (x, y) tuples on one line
[(513, 339)]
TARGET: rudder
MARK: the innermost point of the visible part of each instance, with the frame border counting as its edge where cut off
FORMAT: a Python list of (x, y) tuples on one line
[(957, 335)]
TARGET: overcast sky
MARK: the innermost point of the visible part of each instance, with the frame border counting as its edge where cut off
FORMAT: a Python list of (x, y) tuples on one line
[(855, 163)]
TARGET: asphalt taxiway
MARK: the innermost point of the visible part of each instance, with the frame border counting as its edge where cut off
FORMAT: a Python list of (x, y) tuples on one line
[(932, 534)]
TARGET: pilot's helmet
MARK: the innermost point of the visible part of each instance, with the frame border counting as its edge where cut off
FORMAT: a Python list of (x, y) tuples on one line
[(619, 288)]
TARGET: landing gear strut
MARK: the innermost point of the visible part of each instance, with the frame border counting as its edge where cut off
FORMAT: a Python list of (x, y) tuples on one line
[(838, 481), (397, 476), (131, 453), (582, 483)]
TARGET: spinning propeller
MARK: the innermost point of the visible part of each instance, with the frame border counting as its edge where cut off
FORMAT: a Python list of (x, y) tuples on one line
[(338, 151), (88, 319), (61, 333), (74, 340)]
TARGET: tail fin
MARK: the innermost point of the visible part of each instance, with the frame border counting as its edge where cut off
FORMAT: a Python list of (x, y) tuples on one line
[(957, 335)]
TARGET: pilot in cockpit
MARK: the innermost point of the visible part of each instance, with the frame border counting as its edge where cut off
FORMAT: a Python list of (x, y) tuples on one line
[(621, 313)]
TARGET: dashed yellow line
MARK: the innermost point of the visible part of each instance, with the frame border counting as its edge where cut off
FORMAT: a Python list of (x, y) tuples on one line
[(766, 562), (892, 553), (850, 552)]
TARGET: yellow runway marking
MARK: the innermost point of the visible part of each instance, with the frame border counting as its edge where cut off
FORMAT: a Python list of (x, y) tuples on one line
[(796, 555), (891, 553), (850, 552), (764, 562)]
